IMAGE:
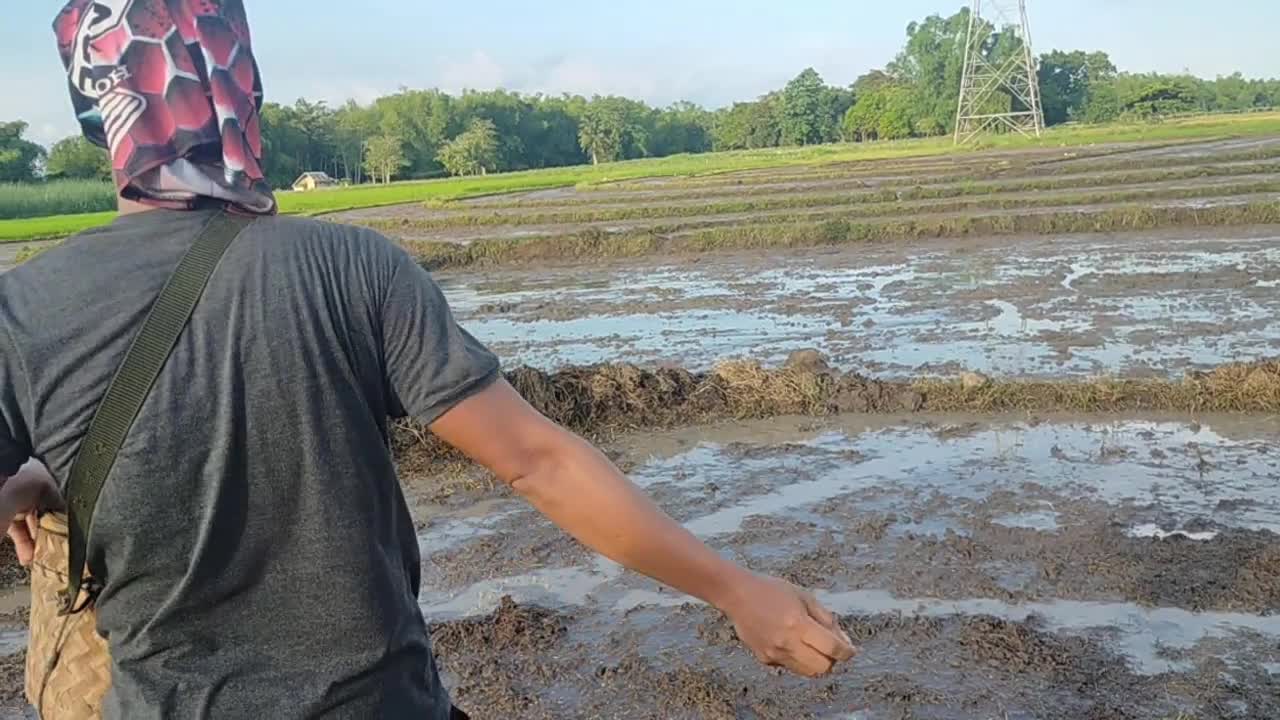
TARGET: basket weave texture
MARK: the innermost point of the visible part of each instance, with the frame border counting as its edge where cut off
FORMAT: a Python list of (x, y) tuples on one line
[(68, 665)]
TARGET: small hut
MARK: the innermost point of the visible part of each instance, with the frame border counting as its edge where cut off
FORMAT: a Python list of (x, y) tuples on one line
[(313, 181)]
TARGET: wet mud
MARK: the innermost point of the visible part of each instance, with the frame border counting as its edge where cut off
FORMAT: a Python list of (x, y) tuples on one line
[(1050, 567), (1067, 567)]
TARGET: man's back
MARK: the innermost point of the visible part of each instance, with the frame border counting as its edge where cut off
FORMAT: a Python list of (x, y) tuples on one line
[(260, 558)]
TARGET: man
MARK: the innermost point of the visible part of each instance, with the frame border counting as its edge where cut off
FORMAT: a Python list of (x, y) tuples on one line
[(260, 559)]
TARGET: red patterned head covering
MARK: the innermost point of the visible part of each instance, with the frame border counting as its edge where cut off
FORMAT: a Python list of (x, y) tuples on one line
[(171, 89)]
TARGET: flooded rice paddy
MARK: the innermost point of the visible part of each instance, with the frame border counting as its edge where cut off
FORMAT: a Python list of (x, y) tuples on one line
[(1126, 304)]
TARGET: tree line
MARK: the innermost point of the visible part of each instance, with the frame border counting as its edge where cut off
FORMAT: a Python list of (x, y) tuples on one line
[(429, 133)]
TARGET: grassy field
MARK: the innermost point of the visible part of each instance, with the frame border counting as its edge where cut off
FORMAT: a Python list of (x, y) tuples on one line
[(442, 191), (57, 197)]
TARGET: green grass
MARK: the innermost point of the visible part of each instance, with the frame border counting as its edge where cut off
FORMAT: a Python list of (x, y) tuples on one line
[(49, 228), (57, 197), (692, 165)]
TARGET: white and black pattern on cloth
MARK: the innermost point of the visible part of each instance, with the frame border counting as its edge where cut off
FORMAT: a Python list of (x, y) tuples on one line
[(120, 109)]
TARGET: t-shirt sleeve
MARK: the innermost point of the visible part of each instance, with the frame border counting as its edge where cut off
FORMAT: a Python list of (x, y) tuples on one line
[(15, 447), (432, 364)]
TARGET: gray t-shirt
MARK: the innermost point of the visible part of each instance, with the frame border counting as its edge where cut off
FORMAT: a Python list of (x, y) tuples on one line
[(260, 558)]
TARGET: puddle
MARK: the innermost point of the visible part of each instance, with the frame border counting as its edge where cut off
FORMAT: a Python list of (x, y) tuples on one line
[(555, 587), (1151, 530), (1042, 520), (451, 531), (12, 641), (786, 478), (1143, 633), (1059, 457)]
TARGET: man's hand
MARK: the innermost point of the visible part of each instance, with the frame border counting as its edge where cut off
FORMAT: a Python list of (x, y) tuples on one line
[(22, 531), (785, 626), (21, 497)]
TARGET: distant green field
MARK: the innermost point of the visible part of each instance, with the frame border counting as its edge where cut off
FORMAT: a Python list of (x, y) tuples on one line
[(56, 197), (434, 191), (47, 228)]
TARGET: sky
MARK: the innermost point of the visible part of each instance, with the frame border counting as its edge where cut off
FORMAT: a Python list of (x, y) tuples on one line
[(713, 52)]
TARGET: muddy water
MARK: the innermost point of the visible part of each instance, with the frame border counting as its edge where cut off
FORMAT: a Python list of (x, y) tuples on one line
[(1133, 304), (1076, 567)]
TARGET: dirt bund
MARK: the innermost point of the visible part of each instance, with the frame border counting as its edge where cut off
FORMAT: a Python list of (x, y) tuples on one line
[(597, 244), (604, 399)]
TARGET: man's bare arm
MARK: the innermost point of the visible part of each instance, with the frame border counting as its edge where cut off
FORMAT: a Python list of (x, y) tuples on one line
[(581, 491)]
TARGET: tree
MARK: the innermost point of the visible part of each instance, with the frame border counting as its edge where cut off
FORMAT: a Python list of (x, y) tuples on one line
[(613, 128), (749, 125), (803, 121), (1104, 103), (18, 157), (869, 81), (835, 103), (553, 138), (1068, 81), (77, 158), (384, 157), (421, 119), (600, 132), (931, 65), (474, 152), (1159, 96), (681, 128), (884, 113), (353, 126)]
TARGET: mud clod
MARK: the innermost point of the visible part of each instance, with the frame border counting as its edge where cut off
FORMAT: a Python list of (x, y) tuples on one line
[(815, 568), (811, 361), (510, 628)]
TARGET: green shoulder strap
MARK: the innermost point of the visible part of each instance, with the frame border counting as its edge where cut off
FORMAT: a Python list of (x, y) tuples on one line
[(131, 385)]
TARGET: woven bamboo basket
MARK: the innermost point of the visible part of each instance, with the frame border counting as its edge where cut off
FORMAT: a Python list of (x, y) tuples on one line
[(68, 665)]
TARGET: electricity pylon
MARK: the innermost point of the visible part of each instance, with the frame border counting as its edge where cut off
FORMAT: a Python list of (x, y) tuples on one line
[(985, 76)]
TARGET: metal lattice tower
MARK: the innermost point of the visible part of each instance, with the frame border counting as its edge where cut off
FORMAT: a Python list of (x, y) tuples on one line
[(987, 80)]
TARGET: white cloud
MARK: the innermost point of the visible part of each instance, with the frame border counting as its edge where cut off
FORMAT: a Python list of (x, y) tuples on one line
[(657, 80), (477, 71)]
